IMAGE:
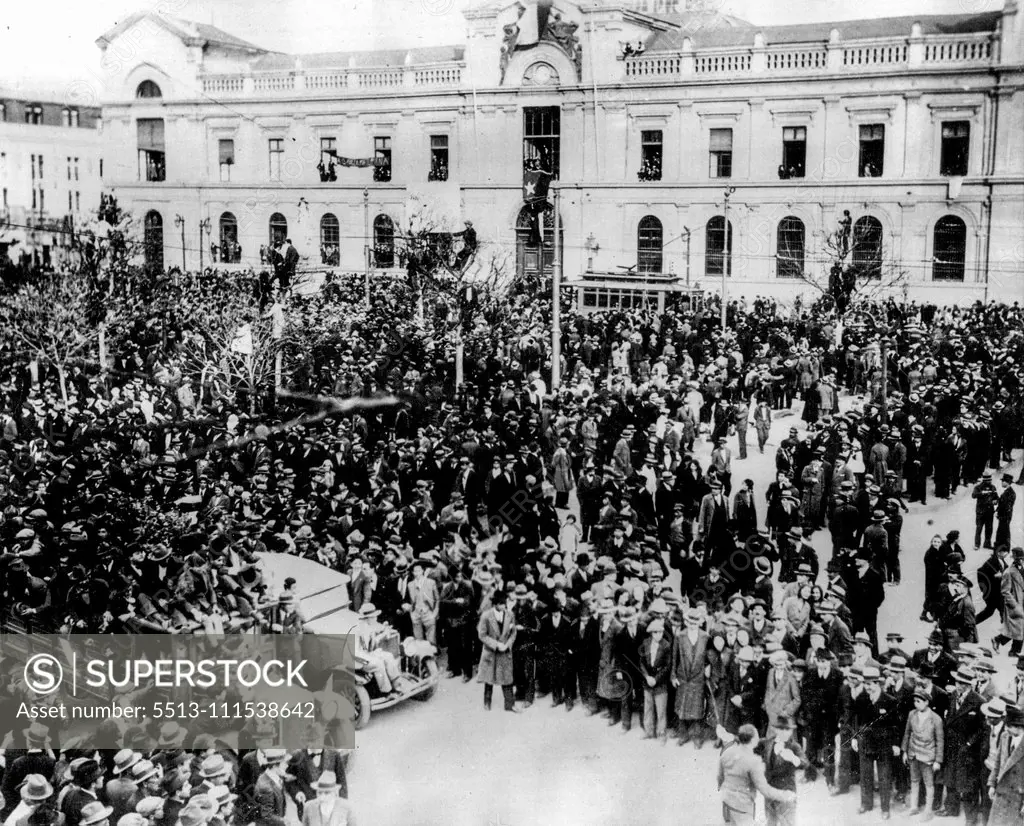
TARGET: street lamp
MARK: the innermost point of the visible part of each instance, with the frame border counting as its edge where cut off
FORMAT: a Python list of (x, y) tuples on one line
[(204, 226), (726, 255), (180, 222)]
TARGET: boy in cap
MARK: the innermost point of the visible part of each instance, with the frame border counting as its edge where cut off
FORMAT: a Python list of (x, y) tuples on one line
[(923, 749)]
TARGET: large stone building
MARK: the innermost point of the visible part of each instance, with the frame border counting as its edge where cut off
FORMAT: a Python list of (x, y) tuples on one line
[(648, 113), (51, 169)]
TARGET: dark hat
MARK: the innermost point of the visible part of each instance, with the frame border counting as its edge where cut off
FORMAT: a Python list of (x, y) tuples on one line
[(936, 638), (86, 773), (1014, 717)]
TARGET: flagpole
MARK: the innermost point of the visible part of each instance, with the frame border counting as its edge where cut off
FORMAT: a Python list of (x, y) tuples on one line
[(556, 299), (366, 242)]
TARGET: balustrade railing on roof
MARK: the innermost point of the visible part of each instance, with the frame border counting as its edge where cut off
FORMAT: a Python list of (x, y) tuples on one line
[(802, 58), (958, 48), (654, 66), (721, 63), (879, 53), (223, 84), (380, 78), (328, 81), (275, 82), (438, 76)]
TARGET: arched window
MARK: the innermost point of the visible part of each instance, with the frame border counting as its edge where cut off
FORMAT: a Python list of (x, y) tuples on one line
[(154, 239), (383, 242), (649, 240), (230, 251), (330, 238), (867, 247), (950, 249), (148, 89), (717, 257), (278, 228), (789, 252)]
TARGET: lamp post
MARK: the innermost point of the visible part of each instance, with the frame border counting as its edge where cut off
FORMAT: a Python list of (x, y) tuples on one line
[(556, 300), (204, 226), (726, 255), (180, 222), (686, 231), (366, 241)]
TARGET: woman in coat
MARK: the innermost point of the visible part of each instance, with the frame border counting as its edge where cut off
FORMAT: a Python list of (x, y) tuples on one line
[(561, 473), (497, 632)]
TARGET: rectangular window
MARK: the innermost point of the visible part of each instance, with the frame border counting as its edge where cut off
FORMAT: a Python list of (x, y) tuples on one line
[(69, 169), (76, 169), (225, 158), (794, 152), (438, 158), (101, 167), (33, 114), (328, 150), (32, 165), (42, 200), (69, 200), (78, 201), (40, 158), (152, 155), (542, 127), (275, 147), (382, 150), (5, 197), (33, 198), (651, 149), (721, 153), (872, 150), (956, 141)]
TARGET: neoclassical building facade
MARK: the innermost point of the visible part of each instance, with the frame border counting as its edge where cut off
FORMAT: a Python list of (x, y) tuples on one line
[(903, 135)]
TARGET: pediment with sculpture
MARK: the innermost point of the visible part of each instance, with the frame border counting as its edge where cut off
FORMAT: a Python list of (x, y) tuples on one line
[(539, 22)]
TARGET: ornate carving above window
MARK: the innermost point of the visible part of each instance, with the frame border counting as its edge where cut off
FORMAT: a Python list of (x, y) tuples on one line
[(540, 74)]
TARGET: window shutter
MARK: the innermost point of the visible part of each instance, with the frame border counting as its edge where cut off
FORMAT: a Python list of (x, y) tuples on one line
[(151, 134)]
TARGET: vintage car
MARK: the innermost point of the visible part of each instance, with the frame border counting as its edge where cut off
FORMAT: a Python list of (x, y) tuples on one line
[(324, 603)]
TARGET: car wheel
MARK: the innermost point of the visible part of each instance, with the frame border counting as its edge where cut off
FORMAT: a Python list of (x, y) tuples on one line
[(361, 703), (428, 670)]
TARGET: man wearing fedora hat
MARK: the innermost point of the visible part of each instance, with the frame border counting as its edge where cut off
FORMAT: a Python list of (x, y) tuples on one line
[(86, 782), (95, 814), (329, 809), (34, 791), (1004, 510), (268, 795), (369, 634), (1006, 779), (876, 740), (36, 760), (964, 765), (1011, 594), (985, 497)]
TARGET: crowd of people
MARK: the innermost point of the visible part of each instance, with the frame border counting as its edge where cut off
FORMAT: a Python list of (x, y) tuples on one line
[(146, 499)]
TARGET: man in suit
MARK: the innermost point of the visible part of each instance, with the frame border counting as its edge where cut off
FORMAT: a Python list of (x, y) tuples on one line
[(360, 584), (962, 773), (1006, 780), (655, 662), (782, 757), (741, 775), (329, 809), (457, 606), (497, 633), (269, 796), (838, 638), (37, 760), (876, 741), (626, 654), (86, 782), (423, 604), (713, 524), (690, 670), (309, 765), (557, 643), (1004, 510)]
